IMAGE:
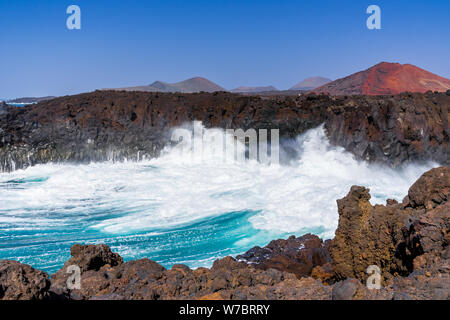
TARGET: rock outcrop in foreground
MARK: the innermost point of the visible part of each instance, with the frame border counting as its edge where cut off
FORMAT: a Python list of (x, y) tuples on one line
[(118, 125), (408, 242)]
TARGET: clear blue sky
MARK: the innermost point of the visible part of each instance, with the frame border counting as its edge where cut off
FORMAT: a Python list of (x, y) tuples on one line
[(233, 43)]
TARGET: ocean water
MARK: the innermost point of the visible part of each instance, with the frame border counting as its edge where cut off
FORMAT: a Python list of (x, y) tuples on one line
[(182, 207), (20, 105)]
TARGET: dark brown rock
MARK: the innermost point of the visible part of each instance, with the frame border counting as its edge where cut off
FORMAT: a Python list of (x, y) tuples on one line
[(429, 281), (394, 129), (324, 273), (432, 189), (89, 258), (364, 236), (391, 237), (21, 282), (353, 289), (296, 255), (93, 257)]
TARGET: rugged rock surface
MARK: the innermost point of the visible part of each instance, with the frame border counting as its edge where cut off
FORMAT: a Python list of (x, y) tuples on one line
[(393, 131), (92, 257), (117, 125), (227, 279), (21, 282), (408, 241), (396, 237), (431, 190), (87, 258), (295, 255)]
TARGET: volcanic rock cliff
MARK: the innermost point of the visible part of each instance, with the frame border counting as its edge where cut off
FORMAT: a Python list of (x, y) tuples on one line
[(408, 242), (117, 125)]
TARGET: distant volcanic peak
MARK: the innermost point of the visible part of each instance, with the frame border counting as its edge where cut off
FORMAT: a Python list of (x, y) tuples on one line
[(158, 84), (197, 79), (244, 89), (197, 84), (311, 83), (385, 79), (191, 85)]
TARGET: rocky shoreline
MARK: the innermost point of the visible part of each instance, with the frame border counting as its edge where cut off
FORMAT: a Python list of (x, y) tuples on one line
[(118, 125), (408, 242)]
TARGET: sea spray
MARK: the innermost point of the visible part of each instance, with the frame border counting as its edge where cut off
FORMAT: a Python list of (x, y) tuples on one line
[(181, 208)]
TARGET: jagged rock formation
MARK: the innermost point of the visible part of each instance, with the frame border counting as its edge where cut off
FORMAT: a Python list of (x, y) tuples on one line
[(412, 127), (145, 279), (295, 255), (408, 241), (117, 125), (22, 282), (392, 236)]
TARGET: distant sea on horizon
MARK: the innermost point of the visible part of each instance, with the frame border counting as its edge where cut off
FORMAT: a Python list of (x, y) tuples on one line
[(19, 104)]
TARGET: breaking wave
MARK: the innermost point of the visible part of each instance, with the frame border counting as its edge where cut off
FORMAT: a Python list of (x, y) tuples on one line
[(182, 207)]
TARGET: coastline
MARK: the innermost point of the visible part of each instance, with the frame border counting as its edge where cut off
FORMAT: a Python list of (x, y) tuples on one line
[(121, 125)]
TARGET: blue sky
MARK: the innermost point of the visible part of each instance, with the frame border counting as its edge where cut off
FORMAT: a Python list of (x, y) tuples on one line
[(233, 43)]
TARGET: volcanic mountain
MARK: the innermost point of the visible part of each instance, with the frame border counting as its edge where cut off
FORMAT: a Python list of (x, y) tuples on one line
[(196, 84), (254, 89), (386, 79), (310, 83)]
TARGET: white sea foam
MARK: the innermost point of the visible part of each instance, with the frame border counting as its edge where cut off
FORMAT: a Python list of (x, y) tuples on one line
[(180, 187)]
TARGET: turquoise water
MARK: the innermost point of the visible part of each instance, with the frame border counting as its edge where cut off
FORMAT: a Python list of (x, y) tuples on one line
[(197, 243), (181, 208), (42, 235), (19, 104)]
